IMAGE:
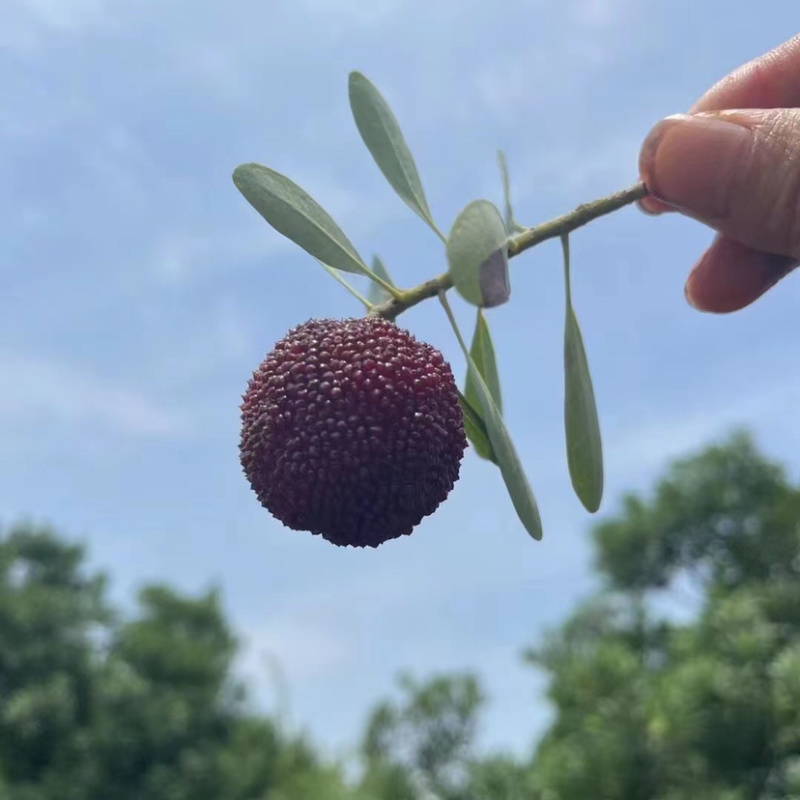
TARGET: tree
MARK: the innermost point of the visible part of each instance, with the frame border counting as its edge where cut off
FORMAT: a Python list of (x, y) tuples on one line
[(95, 706), (49, 612), (648, 707), (424, 746), (425, 743)]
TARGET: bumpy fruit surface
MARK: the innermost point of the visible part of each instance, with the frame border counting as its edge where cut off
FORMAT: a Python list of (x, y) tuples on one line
[(352, 430)]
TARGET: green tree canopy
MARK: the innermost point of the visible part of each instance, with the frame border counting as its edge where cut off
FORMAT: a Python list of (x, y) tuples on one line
[(650, 707), (649, 704), (423, 745), (94, 706)]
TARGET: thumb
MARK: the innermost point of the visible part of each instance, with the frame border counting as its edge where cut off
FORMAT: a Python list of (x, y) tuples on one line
[(736, 171)]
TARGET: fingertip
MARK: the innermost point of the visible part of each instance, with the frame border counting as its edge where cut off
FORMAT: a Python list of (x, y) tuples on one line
[(730, 276)]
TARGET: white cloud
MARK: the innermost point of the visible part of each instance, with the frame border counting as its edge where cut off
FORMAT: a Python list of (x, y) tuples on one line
[(577, 39), (309, 637), (346, 15), (302, 649), (305, 636), (650, 444), (610, 165), (214, 65), (63, 14), (25, 24), (179, 257), (600, 14), (33, 114), (215, 338), (183, 256), (229, 49), (36, 390)]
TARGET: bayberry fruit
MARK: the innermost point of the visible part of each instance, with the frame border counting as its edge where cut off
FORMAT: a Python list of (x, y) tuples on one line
[(352, 430)]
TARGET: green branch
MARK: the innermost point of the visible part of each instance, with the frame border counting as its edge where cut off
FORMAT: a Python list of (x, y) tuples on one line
[(560, 226)]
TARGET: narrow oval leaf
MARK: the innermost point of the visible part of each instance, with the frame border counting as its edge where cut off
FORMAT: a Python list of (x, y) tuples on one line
[(510, 466), (482, 352), (584, 442), (336, 275), (477, 255), (509, 211), (377, 294), (475, 428), (507, 459), (295, 214), (381, 134)]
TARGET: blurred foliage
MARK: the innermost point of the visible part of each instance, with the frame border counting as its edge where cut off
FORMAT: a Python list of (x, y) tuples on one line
[(707, 707), (94, 707), (680, 679), (427, 741)]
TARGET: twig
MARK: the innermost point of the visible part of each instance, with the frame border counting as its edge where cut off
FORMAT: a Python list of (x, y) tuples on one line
[(528, 238), (575, 219)]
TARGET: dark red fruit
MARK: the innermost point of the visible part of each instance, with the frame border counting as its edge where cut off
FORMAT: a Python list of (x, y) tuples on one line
[(352, 430)]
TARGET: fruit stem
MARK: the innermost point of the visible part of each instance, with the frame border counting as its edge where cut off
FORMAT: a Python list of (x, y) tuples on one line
[(529, 237)]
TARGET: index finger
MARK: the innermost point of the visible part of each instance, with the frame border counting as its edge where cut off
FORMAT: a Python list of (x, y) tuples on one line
[(769, 81)]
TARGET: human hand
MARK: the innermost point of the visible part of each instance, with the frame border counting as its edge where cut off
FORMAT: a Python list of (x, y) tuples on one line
[(733, 163)]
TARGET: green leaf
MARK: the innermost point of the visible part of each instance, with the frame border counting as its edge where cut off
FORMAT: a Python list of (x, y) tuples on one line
[(509, 211), (381, 134), (336, 275), (482, 352), (295, 214), (584, 443), (507, 459), (477, 255), (377, 294), (476, 431)]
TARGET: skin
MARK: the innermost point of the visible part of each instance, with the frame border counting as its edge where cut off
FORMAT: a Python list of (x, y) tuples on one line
[(733, 163)]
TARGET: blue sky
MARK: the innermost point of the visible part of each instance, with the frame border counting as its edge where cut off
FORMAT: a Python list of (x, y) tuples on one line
[(139, 290)]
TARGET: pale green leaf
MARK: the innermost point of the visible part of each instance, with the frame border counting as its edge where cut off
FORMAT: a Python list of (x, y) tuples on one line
[(517, 484), (509, 211), (483, 356), (475, 428), (584, 442), (384, 139), (337, 276), (294, 213), (377, 294), (477, 255)]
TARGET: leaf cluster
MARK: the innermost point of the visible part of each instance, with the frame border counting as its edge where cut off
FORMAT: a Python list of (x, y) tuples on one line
[(477, 255)]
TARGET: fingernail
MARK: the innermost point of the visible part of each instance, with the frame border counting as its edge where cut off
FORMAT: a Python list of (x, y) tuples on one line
[(652, 207), (688, 162)]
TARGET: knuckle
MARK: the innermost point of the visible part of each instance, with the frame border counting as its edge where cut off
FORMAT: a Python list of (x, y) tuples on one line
[(782, 211)]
